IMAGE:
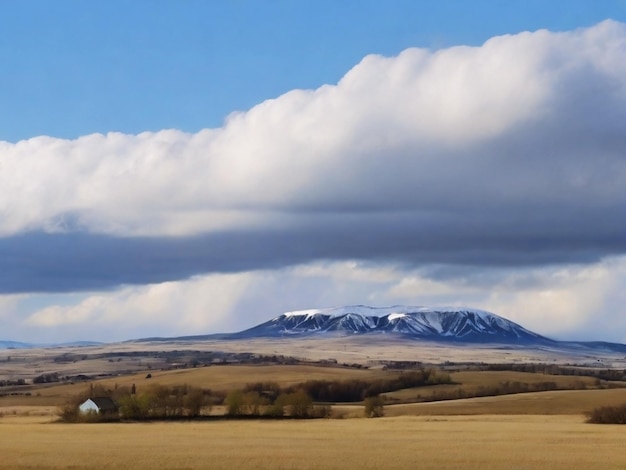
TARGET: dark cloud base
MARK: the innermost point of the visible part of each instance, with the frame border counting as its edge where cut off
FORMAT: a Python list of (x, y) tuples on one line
[(41, 262)]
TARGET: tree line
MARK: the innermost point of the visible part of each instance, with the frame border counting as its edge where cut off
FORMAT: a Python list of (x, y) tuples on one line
[(357, 390), (608, 375), (155, 402), (310, 399)]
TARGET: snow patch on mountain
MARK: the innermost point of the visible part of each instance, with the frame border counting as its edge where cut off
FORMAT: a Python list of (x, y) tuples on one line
[(395, 316)]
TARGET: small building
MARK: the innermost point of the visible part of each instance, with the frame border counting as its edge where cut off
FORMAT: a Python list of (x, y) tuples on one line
[(98, 405)]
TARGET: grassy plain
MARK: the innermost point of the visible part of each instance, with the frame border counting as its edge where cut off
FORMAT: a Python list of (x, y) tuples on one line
[(228, 377), (544, 430), (475, 442), (561, 402), (361, 349), (221, 378), (472, 381)]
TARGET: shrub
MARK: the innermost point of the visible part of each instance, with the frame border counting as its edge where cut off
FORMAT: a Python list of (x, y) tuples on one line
[(69, 413), (135, 407), (275, 410), (300, 405), (234, 403), (195, 401), (322, 411), (608, 415), (374, 407), (252, 403)]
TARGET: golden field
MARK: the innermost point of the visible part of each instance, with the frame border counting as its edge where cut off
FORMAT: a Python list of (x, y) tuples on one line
[(228, 377), (222, 378), (471, 381), (476, 442), (364, 350), (562, 402), (522, 431)]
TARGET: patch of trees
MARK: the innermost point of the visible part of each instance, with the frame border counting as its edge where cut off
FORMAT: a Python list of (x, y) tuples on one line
[(12, 382), (608, 415), (374, 407), (610, 375), (156, 402), (161, 402), (252, 403), (399, 365), (357, 390), (504, 388), (310, 399), (47, 378)]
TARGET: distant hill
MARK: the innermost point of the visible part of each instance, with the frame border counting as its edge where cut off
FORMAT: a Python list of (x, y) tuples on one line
[(19, 345), (14, 345)]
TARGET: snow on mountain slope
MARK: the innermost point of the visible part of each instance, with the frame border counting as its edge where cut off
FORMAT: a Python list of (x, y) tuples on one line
[(444, 323)]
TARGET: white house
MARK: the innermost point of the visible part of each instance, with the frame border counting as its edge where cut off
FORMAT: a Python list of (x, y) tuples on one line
[(99, 405)]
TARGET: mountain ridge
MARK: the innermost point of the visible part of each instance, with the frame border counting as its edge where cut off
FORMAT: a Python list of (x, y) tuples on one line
[(435, 324), (442, 323), (5, 344)]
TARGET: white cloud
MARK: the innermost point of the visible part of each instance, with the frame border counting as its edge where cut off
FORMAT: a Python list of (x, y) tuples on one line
[(567, 302), (348, 271), (196, 306), (8, 305), (571, 302), (411, 132)]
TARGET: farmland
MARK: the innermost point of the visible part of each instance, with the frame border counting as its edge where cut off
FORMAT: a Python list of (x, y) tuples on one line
[(451, 442), (543, 429)]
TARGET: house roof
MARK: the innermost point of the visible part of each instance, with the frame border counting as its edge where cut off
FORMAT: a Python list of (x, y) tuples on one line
[(104, 403)]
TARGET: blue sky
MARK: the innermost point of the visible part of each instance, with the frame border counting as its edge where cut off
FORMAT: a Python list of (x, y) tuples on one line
[(171, 168), (73, 67)]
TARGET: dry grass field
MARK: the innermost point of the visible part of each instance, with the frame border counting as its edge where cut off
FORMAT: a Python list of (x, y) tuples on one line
[(543, 430), (476, 442), (367, 350), (222, 378), (562, 402), (471, 381), (229, 377)]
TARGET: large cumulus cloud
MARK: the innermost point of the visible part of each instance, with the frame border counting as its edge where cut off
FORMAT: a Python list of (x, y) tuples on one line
[(508, 154)]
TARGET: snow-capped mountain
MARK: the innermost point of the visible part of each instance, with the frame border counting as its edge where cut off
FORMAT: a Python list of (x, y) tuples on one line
[(441, 324)]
